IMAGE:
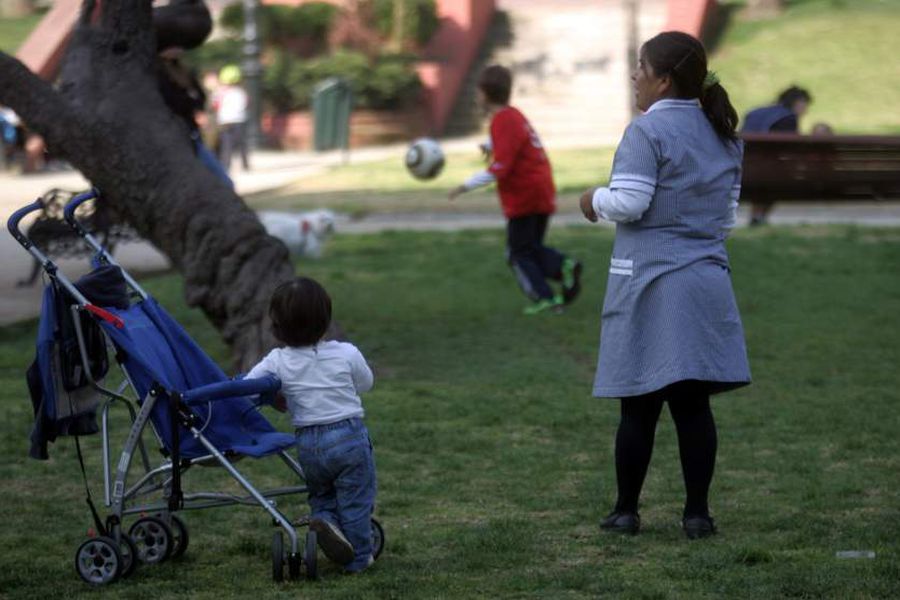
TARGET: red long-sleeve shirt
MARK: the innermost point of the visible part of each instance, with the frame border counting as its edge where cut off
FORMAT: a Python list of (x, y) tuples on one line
[(520, 165)]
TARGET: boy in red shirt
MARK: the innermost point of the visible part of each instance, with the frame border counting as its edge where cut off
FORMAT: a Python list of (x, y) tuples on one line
[(527, 195)]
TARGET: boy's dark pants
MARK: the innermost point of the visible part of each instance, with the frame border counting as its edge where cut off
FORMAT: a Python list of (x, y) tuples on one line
[(530, 259)]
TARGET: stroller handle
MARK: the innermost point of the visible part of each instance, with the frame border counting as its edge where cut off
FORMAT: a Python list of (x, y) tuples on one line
[(266, 385), (13, 222), (69, 210), (69, 216)]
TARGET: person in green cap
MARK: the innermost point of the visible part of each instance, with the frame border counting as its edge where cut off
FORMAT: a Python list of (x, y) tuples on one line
[(230, 103)]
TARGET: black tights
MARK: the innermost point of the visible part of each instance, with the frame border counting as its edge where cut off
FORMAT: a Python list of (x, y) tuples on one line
[(697, 442)]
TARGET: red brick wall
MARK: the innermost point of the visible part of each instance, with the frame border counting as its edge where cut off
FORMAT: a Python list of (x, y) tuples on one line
[(450, 54), (689, 16)]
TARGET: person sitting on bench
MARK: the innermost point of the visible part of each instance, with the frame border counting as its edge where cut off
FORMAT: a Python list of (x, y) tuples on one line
[(783, 116)]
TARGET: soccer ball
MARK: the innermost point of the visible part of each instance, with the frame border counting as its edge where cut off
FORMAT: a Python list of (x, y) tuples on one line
[(425, 159)]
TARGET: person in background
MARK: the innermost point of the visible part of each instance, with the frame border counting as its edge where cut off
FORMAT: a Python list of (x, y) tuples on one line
[(181, 25), (524, 179), (185, 97), (208, 126), (783, 116), (9, 134), (230, 102), (821, 128)]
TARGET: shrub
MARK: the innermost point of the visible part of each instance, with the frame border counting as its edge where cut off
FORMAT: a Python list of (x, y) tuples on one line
[(282, 24), (420, 19), (214, 55), (388, 82), (393, 82)]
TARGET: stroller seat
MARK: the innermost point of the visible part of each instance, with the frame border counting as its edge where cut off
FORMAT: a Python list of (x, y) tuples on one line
[(157, 353)]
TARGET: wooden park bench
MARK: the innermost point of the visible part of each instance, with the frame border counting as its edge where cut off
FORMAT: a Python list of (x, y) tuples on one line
[(825, 168)]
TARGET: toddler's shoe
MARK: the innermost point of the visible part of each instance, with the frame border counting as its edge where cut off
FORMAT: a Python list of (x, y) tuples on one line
[(622, 522), (332, 541), (369, 563)]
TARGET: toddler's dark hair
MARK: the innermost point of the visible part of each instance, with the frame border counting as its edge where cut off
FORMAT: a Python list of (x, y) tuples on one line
[(300, 311), (496, 83)]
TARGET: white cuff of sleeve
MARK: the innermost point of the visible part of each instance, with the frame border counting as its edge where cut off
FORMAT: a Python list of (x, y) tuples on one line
[(597, 202), (621, 205), (478, 180)]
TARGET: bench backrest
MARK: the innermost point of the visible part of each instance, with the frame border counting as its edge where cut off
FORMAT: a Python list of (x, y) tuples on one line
[(824, 167)]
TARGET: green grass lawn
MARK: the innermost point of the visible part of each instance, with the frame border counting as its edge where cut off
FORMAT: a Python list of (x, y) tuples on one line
[(495, 464), (386, 186), (14, 31), (843, 51)]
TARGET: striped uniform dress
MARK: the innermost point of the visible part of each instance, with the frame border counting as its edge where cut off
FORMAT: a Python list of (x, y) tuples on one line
[(670, 312)]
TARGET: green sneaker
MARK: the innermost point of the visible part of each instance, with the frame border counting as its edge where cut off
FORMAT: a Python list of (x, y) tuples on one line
[(554, 305), (571, 279)]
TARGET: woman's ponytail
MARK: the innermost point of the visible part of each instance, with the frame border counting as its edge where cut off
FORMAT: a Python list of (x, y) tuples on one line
[(719, 111)]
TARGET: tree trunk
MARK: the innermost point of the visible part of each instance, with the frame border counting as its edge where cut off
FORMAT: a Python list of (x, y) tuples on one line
[(109, 120)]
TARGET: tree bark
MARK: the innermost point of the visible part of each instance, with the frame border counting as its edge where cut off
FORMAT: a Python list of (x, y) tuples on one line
[(108, 119)]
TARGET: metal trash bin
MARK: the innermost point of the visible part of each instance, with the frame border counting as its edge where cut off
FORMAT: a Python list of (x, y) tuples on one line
[(332, 103)]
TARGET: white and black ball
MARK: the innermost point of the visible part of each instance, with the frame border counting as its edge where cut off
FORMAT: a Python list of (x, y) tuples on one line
[(424, 158)]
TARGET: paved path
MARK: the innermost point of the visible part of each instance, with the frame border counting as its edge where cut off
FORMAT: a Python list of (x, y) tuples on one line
[(273, 170)]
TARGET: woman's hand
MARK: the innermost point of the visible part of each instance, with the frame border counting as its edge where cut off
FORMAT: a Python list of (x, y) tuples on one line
[(586, 203), (456, 192)]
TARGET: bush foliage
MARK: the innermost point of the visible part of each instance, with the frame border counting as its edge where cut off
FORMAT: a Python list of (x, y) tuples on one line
[(420, 19), (296, 55), (386, 82)]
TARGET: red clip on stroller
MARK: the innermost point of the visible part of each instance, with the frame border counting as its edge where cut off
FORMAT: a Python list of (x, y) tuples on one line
[(198, 415)]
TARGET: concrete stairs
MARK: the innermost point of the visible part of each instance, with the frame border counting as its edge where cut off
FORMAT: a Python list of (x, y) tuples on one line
[(571, 66)]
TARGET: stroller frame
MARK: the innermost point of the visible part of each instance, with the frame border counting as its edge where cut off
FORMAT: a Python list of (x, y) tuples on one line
[(114, 553)]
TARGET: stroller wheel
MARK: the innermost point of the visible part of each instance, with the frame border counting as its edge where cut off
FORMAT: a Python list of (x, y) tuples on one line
[(180, 537), (278, 556), (377, 539), (310, 557), (153, 539), (129, 553), (293, 561), (98, 561)]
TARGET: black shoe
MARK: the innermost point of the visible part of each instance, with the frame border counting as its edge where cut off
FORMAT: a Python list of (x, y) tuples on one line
[(698, 527), (332, 541), (571, 276), (622, 522)]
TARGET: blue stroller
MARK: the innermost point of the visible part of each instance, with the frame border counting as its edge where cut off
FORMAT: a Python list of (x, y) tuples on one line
[(198, 415)]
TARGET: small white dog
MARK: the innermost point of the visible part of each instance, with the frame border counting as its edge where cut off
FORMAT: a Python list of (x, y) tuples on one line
[(303, 233)]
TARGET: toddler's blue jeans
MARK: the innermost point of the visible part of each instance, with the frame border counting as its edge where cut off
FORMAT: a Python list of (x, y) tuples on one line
[(340, 474)]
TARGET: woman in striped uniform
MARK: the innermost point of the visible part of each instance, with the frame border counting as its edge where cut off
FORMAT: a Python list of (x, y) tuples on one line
[(671, 331)]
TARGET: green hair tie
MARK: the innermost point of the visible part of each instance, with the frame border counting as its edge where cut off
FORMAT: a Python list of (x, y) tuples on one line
[(711, 80)]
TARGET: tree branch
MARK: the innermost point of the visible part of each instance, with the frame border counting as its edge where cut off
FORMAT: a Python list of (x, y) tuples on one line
[(41, 107)]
